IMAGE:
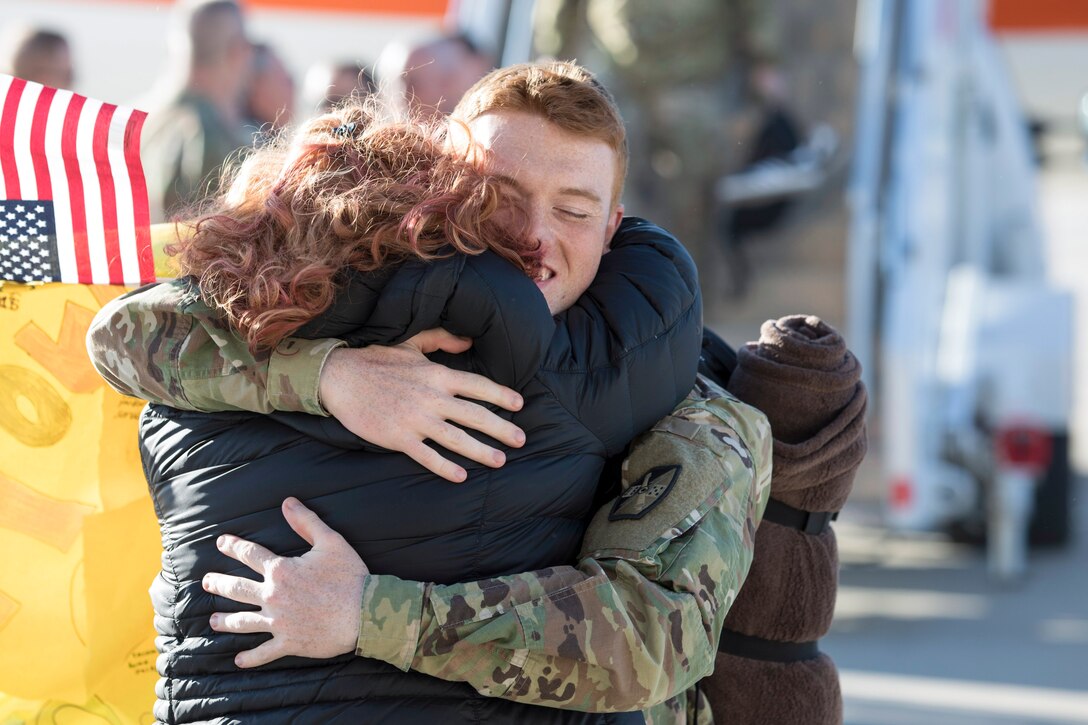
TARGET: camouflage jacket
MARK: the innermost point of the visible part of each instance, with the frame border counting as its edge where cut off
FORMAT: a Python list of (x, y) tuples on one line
[(163, 343), (636, 621)]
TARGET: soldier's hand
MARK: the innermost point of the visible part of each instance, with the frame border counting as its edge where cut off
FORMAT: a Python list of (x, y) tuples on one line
[(396, 398), (309, 603)]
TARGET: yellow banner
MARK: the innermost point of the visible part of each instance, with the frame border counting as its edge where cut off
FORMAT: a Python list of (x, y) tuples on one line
[(79, 543)]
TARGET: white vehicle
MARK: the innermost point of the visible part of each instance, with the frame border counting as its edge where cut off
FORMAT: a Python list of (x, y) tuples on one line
[(968, 347)]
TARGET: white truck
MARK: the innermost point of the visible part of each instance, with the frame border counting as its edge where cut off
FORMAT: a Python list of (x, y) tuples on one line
[(968, 347)]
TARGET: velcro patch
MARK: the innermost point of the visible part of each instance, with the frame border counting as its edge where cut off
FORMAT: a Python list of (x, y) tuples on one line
[(641, 497)]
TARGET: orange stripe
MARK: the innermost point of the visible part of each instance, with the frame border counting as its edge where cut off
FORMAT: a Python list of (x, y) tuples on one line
[(417, 8), (1035, 15), (435, 8)]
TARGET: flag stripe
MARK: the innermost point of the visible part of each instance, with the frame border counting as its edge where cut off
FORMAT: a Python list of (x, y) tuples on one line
[(108, 195), (75, 189), (37, 143), (62, 209), (7, 138), (127, 266), (92, 191), (24, 162), (141, 214)]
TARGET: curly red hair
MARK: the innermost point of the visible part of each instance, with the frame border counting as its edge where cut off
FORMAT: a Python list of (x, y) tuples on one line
[(349, 190)]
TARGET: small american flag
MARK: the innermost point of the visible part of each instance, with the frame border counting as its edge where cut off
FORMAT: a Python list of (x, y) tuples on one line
[(73, 200)]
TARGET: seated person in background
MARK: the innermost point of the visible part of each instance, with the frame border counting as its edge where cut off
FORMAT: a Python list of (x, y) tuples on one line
[(543, 130)]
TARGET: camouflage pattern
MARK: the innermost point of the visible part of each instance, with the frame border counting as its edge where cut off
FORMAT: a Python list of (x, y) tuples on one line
[(690, 707), (163, 343), (677, 69), (637, 621)]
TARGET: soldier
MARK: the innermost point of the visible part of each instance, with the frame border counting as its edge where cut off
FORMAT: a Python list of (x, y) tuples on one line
[(195, 119), (635, 623), (677, 69)]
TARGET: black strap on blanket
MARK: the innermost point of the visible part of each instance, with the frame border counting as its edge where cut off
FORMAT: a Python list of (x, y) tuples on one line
[(809, 522), (757, 648)]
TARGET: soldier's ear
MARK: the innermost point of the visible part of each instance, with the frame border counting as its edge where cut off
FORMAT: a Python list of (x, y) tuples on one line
[(615, 217)]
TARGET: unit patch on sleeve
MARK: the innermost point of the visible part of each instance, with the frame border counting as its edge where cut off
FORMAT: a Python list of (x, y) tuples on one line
[(646, 493)]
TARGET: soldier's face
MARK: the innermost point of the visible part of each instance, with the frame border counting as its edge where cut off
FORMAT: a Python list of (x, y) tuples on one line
[(565, 184)]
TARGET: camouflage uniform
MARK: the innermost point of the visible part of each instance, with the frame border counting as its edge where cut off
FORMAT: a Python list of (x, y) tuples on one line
[(635, 623), (637, 620), (164, 344)]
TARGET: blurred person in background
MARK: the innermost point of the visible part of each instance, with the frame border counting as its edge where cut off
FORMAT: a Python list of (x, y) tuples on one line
[(430, 78), (195, 113), (37, 54), (328, 84), (678, 70), (776, 133), (270, 98)]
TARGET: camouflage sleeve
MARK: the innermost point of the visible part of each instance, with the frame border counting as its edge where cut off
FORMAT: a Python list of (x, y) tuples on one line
[(637, 621), (164, 344)]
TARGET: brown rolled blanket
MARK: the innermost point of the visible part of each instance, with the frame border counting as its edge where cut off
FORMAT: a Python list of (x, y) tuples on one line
[(769, 668)]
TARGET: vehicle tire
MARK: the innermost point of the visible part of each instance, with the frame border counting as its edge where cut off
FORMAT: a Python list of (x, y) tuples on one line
[(1052, 518)]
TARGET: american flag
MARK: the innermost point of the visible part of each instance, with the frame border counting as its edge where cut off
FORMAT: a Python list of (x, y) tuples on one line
[(73, 200)]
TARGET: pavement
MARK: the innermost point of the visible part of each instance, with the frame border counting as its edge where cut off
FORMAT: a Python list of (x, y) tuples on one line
[(922, 635)]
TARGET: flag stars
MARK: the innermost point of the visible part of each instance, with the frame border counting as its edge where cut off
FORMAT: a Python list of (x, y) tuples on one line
[(27, 243)]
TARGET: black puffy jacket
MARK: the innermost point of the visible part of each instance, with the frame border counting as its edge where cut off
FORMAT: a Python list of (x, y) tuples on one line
[(592, 378)]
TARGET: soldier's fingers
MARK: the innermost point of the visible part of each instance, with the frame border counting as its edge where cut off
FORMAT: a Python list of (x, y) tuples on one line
[(271, 650), (461, 443), (241, 622), (477, 387), (235, 588), (438, 339), (476, 417), (430, 459), (255, 556)]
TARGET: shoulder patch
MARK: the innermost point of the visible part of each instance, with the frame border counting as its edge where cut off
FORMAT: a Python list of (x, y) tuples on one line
[(641, 497)]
